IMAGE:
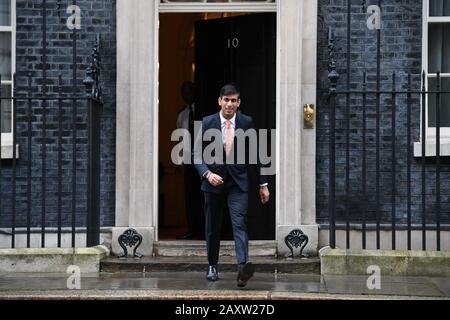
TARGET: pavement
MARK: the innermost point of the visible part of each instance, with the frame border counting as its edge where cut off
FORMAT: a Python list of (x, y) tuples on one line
[(193, 286)]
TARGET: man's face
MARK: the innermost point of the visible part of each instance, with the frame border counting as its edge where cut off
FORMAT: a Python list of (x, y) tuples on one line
[(229, 105)]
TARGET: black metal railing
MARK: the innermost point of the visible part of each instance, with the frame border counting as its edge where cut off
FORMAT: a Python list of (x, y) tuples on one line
[(394, 102), (377, 180), (58, 138)]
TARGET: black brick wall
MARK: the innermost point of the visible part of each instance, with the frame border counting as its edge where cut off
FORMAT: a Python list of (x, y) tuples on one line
[(96, 17), (401, 51)]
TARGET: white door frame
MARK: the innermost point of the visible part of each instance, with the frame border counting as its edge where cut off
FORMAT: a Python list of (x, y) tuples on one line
[(137, 118), (200, 8)]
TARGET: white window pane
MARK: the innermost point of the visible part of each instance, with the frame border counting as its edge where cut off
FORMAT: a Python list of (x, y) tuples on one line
[(439, 8), (5, 12), (5, 55), (6, 120), (445, 103), (439, 47)]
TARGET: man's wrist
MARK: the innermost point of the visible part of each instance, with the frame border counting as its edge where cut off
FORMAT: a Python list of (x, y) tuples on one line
[(206, 174)]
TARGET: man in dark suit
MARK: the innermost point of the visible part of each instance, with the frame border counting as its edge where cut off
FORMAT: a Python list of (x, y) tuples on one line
[(227, 181), (193, 196)]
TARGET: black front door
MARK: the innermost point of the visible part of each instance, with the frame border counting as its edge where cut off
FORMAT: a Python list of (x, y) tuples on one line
[(241, 50)]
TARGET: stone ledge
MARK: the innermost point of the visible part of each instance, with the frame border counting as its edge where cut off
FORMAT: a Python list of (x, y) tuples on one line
[(7, 151), (51, 259), (430, 148), (390, 262), (200, 264)]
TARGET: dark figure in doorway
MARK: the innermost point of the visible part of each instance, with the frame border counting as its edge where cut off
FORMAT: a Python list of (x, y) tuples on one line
[(193, 196), (227, 182)]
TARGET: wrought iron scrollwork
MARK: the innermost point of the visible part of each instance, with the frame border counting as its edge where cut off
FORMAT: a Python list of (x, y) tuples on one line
[(92, 83), (296, 238), (130, 238), (58, 8), (333, 75)]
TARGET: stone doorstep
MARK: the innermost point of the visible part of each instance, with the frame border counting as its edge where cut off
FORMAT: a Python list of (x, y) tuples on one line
[(50, 260), (199, 264), (198, 248), (390, 262)]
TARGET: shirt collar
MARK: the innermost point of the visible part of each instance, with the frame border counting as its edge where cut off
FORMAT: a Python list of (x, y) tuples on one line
[(223, 120), (191, 106)]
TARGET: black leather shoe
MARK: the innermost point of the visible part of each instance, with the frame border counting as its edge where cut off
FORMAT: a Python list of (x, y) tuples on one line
[(212, 274), (245, 274)]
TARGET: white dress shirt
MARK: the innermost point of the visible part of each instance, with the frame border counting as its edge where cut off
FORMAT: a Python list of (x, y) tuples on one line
[(183, 117), (223, 123)]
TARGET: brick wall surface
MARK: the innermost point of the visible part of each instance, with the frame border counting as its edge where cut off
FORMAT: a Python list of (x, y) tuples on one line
[(401, 52), (97, 17)]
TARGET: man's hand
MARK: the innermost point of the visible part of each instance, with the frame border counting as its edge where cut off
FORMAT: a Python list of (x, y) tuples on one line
[(264, 194), (215, 179)]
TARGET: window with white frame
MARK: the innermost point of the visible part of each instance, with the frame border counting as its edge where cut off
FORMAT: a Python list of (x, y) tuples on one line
[(436, 58), (7, 66)]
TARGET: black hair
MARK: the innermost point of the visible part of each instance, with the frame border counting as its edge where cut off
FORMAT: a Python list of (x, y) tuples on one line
[(187, 86), (229, 89)]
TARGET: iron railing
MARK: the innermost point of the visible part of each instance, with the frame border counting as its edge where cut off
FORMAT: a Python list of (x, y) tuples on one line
[(59, 139), (411, 208), (9, 173)]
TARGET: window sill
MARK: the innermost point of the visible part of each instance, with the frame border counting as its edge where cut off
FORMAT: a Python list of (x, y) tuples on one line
[(7, 151), (430, 148)]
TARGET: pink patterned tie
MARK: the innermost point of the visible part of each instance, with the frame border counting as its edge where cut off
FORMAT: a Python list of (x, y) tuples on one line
[(228, 137)]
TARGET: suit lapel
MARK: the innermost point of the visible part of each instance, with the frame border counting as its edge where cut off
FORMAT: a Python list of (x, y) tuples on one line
[(238, 121), (217, 123)]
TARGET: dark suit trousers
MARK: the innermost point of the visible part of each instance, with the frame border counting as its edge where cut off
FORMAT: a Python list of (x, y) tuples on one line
[(237, 201)]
